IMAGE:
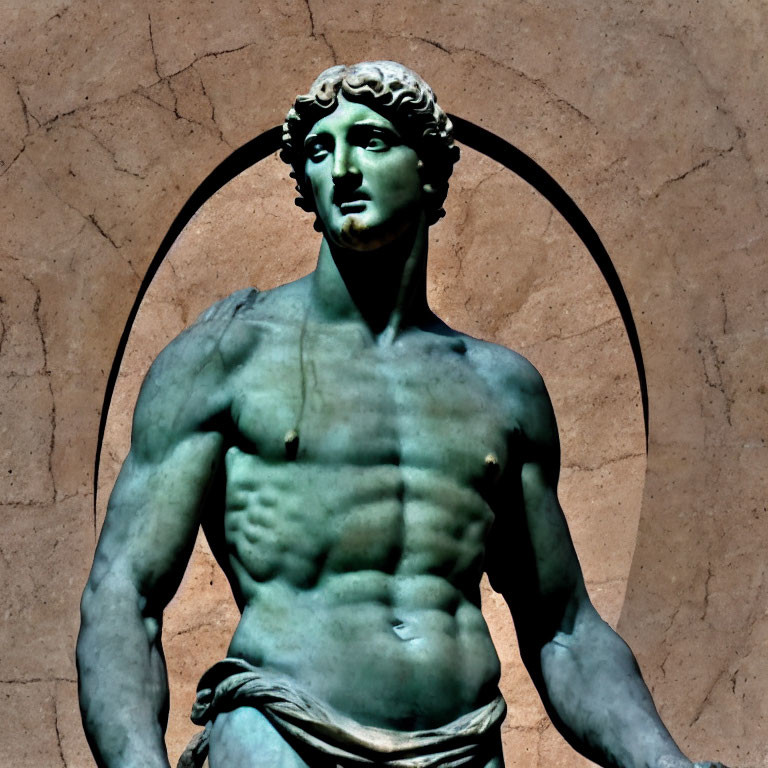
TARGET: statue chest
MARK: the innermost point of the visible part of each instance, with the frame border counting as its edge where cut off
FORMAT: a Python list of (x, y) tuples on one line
[(330, 399)]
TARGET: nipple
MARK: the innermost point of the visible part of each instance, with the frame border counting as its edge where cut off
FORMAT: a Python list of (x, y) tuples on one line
[(291, 444), (491, 464)]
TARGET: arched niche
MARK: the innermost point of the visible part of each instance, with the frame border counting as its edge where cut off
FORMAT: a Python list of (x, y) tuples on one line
[(504, 266)]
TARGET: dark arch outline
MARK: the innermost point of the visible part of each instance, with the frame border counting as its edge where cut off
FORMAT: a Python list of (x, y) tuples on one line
[(468, 133)]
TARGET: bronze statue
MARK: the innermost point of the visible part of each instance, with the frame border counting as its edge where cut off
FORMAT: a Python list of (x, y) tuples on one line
[(356, 465)]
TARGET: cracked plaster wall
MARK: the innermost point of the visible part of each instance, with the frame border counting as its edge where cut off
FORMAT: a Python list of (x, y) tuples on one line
[(653, 119)]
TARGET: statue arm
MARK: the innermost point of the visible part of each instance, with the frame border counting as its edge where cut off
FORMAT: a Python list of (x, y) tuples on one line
[(586, 675), (149, 531)]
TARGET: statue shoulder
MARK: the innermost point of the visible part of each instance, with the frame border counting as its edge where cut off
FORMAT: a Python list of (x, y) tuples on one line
[(505, 368), (193, 349), (283, 303), (520, 388), (189, 385), (228, 307), (183, 390), (243, 321), (194, 361)]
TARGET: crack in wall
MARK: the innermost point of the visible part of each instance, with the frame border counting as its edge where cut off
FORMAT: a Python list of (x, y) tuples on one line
[(433, 43), (718, 97), (736, 650), (560, 337), (68, 496), (186, 631), (92, 218), (176, 112), (58, 731), (607, 462), (213, 109), (606, 582), (550, 219), (13, 160), (716, 94), (209, 55), (193, 628), (725, 312), (704, 164), (46, 372), (25, 505), (539, 745), (35, 680), (313, 33), (152, 46), (461, 247), (560, 101), (175, 109), (700, 709), (23, 107), (665, 635), (56, 15), (706, 593), (716, 381), (522, 728), (4, 558), (48, 124), (23, 103), (109, 152), (137, 91), (538, 82)]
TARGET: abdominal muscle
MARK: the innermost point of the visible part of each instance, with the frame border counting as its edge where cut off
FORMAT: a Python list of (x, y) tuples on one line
[(408, 663), (362, 585)]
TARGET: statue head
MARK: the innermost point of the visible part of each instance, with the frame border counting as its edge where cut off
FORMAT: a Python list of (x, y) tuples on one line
[(400, 96)]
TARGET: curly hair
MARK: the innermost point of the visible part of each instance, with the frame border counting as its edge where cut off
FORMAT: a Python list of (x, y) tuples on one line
[(395, 92)]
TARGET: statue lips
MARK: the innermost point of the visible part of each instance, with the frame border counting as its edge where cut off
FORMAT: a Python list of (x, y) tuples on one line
[(353, 206), (353, 201)]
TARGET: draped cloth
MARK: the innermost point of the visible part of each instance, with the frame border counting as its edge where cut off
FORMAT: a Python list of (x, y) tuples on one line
[(313, 728)]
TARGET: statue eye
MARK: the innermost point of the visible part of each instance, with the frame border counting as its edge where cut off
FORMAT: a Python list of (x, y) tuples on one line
[(315, 150), (377, 143), (373, 139)]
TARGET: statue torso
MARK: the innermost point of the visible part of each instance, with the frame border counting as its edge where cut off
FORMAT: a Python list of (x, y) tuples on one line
[(356, 509)]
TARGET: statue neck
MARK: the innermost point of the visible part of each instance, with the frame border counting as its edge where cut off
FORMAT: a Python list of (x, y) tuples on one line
[(385, 290)]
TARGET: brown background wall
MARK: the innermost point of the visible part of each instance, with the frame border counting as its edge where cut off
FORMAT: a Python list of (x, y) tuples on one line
[(653, 119)]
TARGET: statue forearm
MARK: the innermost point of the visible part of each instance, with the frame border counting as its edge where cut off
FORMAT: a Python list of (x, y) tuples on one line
[(596, 696), (123, 686)]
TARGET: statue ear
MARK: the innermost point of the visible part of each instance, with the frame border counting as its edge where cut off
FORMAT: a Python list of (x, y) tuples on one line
[(426, 186)]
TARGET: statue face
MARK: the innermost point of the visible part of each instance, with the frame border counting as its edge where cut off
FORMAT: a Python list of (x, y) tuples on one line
[(365, 181)]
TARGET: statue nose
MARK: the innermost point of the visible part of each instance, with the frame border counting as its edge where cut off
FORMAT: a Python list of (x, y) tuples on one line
[(343, 166)]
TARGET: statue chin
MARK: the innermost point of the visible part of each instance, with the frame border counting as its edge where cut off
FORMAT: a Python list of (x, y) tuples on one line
[(357, 235)]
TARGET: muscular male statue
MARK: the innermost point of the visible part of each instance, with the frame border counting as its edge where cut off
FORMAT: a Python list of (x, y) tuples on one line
[(356, 465)]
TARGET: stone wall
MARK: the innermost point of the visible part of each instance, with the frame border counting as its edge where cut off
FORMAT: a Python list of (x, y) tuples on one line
[(652, 117)]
